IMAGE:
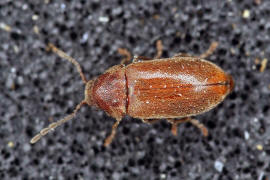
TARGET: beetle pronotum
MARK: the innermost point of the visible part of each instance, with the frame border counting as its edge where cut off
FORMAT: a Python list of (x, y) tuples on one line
[(173, 88)]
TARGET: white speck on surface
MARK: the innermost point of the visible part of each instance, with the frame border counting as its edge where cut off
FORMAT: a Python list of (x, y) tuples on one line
[(47, 97), (246, 14), (117, 11), (5, 27), (20, 80), (162, 176), (16, 49), (9, 82), (24, 6), (259, 147), (159, 140), (140, 154), (11, 144), (84, 38), (219, 166), (13, 70), (230, 14), (147, 102), (261, 176), (35, 17), (26, 147), (165, 86), (116, 175), (36, 29), (103, 19), (63, 6), (135, 170), (246, 134)]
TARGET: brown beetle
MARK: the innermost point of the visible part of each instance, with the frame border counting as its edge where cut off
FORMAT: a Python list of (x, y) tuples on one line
[(152, 89)]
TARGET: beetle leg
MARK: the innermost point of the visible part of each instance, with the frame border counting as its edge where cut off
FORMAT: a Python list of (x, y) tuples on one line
[(126, 54), (157, 56), (207, 53), (210, 50), (199, 125), (109, 139), (195, 122), (159, 49), (150, 121), (175, 122)]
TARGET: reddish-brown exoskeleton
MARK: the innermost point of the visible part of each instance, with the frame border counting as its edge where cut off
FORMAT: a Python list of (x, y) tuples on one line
[(174, 88)]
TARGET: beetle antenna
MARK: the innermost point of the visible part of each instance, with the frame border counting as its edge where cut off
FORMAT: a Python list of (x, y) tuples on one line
[(67, 57), (52, 126)]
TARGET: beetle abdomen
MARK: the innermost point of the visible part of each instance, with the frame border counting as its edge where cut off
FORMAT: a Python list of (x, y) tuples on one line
[(175, 87)]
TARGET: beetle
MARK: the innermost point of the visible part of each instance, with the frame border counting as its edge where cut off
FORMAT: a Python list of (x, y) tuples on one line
[(175, 89)]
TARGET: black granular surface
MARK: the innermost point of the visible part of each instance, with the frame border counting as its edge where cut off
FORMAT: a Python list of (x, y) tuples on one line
[(37, 87)]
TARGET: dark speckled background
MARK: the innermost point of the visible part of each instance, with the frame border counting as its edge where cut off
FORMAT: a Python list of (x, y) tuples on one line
[(37, 87)]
